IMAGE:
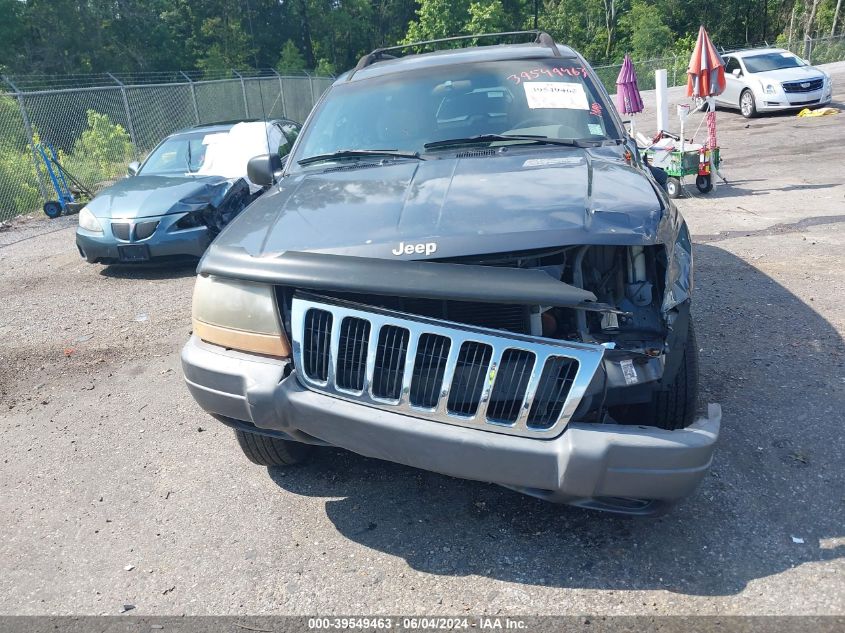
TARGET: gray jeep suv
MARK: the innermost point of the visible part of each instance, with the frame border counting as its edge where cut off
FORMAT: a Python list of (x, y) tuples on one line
[(465, 267)]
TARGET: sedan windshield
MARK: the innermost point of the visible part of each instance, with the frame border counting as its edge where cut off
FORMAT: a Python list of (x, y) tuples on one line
[(771, 61), (223, 152), (468, 104)]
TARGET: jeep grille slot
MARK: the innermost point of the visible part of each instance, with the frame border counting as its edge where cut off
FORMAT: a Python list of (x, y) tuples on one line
[(390, 362), (352, 353), (437, 370), (555, 383), (429, 368), (509, 391), (318, 332), (470, 372)]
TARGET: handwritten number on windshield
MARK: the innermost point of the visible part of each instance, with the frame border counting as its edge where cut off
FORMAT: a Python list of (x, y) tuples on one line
[(536, 73)]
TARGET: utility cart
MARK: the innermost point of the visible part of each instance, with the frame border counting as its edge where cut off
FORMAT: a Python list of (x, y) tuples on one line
[(680, 160)]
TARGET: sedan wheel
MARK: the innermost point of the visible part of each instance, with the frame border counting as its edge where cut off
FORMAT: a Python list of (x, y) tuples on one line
[(747, 105)]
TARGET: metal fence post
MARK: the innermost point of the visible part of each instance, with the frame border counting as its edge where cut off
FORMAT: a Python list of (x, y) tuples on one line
[(282, 95), (42, 187), (674, 70), (193, 96), (243, 90), (311, 81), (128, 113)]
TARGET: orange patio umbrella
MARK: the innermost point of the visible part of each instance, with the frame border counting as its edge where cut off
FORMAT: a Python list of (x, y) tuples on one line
[(706, 78), (706, 72)]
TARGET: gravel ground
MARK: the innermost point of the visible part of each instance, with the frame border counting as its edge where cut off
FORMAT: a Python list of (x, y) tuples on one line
[(115, 488)]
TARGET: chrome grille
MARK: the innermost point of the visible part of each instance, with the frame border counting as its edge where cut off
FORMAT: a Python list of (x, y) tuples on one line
[(470, 372), (438, 370), (352, 353), (317, 341), (509, 389), (429, 367), (389, 367), (555, 382), (810, 85)]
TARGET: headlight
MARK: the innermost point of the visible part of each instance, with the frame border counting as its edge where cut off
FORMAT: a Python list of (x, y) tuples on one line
[(88, 222), (769, 89), (240, 315)]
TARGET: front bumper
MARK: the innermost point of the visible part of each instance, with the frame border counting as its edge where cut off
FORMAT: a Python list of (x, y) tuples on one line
[(793, 101), (166, 242), (631, 469)]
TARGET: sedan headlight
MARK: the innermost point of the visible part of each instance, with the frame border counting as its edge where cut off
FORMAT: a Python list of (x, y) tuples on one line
[(239, 315), (88, 222), (769, 89)]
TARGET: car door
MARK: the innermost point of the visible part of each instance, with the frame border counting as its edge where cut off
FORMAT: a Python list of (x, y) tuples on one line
[(733, 85)]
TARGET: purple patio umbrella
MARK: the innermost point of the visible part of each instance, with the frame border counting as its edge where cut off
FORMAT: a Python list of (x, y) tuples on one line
[(628, 99)]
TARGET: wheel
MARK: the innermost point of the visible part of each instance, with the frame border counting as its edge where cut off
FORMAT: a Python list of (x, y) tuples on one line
[(52, 209), (747, 105), (673, 187), (704, 183), (672, 406), (272, 451)]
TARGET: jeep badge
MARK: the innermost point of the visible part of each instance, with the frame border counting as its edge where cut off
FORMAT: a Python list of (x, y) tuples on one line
[(426, 248)]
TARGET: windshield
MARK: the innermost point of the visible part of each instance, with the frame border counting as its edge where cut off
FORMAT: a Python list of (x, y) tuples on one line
[(218, 153), (405, 111), (771, 61)]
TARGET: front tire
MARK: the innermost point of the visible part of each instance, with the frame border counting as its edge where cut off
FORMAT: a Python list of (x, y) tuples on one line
[(272, 451), (672, 406), (704, 184), (747, 105)]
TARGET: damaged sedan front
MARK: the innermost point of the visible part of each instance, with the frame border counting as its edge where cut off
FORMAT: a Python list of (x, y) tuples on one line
[(190, 186)]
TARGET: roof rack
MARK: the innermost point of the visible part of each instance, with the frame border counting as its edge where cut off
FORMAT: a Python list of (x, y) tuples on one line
[(540, 37)]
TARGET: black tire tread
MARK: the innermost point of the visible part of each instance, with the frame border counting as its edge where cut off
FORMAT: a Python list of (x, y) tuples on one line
[(674, 407), (271, 451)]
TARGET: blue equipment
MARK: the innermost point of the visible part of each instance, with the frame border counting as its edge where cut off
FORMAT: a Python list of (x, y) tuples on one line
[(66, 203)]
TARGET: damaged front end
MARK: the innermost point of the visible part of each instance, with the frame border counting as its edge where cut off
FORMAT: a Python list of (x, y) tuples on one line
[(214, 206), (620, 312)]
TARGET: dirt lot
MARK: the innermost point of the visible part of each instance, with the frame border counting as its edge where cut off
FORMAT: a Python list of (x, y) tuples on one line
[(115, 488)]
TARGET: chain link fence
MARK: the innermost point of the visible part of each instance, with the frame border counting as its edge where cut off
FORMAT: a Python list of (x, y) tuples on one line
[(97, 124)]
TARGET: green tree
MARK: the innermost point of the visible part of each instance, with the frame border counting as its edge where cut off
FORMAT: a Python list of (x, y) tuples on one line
[(487, 17), (647, 34), (290, 60)]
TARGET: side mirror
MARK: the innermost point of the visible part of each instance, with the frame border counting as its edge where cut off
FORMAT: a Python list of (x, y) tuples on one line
[(736, 72), (133, 168), (261, 170)]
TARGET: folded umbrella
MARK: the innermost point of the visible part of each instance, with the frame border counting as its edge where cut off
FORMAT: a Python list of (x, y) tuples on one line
[(706, 72), (628, 99), (706, 78)]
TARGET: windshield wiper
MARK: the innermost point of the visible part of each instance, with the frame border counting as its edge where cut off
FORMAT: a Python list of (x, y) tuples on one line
[(489, 138), (352, 153)]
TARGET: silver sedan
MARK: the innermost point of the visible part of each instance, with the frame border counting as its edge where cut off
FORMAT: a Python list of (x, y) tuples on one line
[(772, 79)]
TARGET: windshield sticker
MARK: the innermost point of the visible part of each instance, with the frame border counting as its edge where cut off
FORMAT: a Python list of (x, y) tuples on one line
[(553, 95), (545, 162), (595, 129), (551, 73)]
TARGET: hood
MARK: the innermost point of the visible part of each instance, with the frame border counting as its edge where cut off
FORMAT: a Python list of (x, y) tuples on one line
[(801, 73), (509, 201), (148, 196)]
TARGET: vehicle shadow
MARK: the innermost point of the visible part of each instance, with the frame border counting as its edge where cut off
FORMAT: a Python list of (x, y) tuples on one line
[(772, 501), (150, 271)]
